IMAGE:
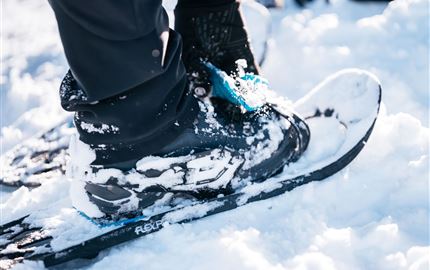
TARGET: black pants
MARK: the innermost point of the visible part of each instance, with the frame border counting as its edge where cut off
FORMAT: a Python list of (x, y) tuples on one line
[(127, 82)]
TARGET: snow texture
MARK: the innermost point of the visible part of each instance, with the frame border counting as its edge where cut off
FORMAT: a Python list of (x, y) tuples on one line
[(90, 128), (373, 215)]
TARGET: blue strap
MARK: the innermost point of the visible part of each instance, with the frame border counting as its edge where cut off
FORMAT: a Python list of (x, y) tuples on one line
[(246, 91)]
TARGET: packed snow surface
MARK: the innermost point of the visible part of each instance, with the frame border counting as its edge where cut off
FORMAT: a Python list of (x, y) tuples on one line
[(373, 215)]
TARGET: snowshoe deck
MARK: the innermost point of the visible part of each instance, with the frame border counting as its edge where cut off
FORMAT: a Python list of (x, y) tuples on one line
[(346, 103)]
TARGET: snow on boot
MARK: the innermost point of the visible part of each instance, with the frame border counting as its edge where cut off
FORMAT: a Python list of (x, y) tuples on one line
[(215, 156)]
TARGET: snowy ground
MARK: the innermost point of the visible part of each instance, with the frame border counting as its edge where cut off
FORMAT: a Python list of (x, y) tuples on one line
[(374, 215)]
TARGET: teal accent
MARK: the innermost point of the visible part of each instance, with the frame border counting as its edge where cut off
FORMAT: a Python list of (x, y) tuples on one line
[(223, 86), (111, 224)]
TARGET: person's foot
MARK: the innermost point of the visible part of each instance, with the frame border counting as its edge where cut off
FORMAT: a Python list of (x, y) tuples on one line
[(212, 31), (215, 156), (222, 150)]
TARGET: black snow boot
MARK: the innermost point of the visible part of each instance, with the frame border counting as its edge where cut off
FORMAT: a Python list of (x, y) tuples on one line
[(212, 31), (217, 155), (224, 149)]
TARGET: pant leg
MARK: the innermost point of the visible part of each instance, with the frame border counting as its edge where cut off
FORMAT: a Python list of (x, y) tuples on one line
[(126, 82)]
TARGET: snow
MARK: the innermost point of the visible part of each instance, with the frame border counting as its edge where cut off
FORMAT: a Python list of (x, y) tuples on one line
[(351, 95), (373, 215), (32, 67), (391, 42), (330, 130), (90, 128)]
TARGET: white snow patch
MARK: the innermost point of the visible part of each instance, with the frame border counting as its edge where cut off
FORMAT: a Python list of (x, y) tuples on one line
[(374, 215), (104, 128)]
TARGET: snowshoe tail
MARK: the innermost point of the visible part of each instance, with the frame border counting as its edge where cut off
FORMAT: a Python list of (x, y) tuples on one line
[(38, 159), (19, 240)]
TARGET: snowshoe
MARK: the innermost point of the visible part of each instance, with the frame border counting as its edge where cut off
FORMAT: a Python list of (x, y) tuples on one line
[(341, 113)]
